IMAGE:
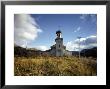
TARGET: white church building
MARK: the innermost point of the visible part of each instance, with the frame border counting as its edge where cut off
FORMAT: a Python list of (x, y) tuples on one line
[(59, 49)]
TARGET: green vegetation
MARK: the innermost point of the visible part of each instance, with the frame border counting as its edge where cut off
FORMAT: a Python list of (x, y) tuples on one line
[(54, 66)]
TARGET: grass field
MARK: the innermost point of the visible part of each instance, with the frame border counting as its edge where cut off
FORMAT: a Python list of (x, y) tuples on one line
[(54, 66)]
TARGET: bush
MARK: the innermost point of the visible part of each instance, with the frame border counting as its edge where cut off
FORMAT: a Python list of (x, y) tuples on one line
[(54, 66)]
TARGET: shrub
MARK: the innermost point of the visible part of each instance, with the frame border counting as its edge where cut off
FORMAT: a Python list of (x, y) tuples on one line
[(54, 66)]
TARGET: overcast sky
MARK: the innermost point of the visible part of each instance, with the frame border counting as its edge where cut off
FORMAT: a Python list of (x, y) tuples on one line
[(39, 30)]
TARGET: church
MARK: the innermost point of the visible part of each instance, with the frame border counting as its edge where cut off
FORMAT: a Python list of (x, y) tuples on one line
[(59, 49)]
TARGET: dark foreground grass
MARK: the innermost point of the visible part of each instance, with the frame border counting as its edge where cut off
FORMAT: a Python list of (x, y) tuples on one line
[(54, 66)]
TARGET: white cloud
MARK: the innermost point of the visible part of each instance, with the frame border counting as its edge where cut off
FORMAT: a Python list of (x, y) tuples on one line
[(88, 42), (78, 29), (89, 17), (94, 18), (42, 48), (71, 46), (25, 29), (83, 16)]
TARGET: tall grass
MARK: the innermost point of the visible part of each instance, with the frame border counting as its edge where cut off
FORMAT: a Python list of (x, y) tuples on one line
[(54, 66)]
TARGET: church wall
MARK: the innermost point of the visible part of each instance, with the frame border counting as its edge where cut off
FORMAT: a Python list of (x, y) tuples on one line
[(68, 53), (53, 52)]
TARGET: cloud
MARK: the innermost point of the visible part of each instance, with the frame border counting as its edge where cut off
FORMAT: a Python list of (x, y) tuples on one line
[(71, 46), (42, 48), (89, 17), (38, 18), (78, 29), (94, 18), (83, 16), (25, 29), (85, 43)]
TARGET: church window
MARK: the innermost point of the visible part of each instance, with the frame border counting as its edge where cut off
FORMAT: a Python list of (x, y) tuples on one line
[(59, 46)]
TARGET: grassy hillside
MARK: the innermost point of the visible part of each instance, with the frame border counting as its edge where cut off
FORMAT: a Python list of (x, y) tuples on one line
[(54, 66)]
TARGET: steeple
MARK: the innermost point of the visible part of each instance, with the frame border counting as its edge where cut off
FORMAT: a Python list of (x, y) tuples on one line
[(59, 49), (59, 44), (58, 34)]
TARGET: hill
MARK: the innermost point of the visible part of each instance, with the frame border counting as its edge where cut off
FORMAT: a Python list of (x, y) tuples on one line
[(20, 51), (24, 52), (86, 52), (89, 52)]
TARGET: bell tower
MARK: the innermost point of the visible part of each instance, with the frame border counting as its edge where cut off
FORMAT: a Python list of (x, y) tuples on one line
[(59, 44)]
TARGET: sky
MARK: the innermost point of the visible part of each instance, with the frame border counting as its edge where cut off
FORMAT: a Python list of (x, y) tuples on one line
[(39, 30)]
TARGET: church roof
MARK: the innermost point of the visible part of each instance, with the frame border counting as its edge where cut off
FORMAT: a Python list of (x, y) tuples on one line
[(58, 31)]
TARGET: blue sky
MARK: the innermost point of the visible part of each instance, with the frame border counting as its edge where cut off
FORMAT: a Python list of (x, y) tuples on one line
[(46, 25)]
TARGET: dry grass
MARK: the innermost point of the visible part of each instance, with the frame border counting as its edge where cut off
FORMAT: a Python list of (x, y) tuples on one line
[(54, 66)]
